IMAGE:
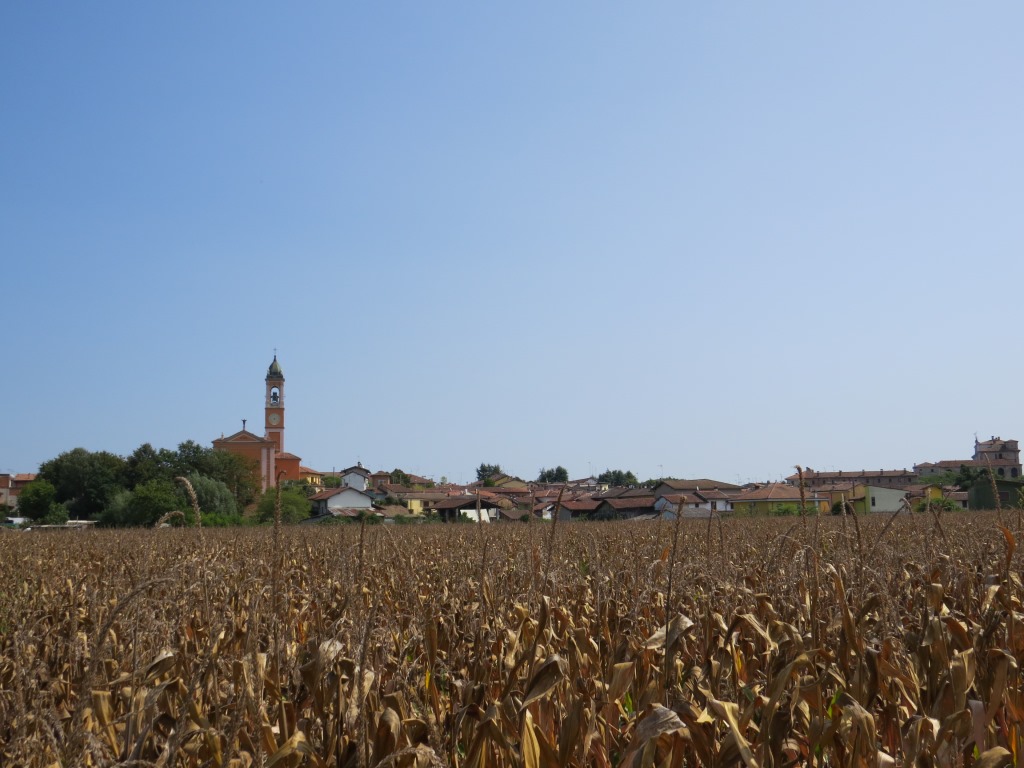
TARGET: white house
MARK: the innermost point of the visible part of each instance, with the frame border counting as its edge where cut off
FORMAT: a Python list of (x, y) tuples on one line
[(357, 477), (691, 504), (333, 500)]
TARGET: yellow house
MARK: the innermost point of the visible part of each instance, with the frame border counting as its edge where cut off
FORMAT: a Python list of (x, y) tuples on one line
[(312, 477)]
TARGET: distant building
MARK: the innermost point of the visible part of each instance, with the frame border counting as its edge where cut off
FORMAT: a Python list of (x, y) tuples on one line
[(1002, 456), (269, 458), (334, 500), (11, 487), (774, 498), (880, 478)]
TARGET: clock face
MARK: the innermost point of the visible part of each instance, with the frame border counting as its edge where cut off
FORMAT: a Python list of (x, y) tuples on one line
[(274, 419)]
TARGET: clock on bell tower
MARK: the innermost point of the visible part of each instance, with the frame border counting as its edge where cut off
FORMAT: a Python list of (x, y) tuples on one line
[(275, 405)]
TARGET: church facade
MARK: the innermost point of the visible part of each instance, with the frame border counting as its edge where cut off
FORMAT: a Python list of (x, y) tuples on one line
[(267, 453)]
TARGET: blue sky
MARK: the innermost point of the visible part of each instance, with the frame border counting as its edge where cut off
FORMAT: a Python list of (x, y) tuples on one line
[(681, 239)]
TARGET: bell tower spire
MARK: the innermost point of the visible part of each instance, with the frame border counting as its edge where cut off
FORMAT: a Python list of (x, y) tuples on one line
[(275, 405)]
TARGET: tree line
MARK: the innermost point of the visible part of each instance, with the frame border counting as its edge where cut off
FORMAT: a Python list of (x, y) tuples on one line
[(140, 488), (613, 477)]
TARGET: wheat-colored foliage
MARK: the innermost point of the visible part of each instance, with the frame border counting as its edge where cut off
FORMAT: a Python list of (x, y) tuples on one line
[(173, 647)]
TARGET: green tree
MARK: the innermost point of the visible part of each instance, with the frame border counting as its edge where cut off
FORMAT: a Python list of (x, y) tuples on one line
[(84, 480), (332, 481), (937, 505), (145, 464), (968, 477), (152, 500), (307, 489), (144, 505), (398, 477), (36, 499), (58, 515), (617, 478), (214, 497), (484, 471), (785, 510), (557, 475), (238, 473), (294, 506)]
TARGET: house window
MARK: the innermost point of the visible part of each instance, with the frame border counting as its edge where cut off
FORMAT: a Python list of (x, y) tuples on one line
[(872, 501), (1002, 472), (1013, 471)]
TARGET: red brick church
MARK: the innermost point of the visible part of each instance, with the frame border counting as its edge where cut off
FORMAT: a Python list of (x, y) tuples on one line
[(268, 453)]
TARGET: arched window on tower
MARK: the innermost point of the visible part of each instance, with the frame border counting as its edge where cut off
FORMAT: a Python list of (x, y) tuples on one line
[(275, 396)]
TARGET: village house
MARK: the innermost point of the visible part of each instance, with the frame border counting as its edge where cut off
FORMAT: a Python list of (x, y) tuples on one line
[(671, 485), (312, 477), (567, 510), (626, 507), (452, 508), (334, 500), (685, 504), (777, 498)]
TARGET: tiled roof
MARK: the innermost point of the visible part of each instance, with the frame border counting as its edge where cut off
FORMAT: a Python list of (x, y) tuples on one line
[(307, 470), (284, 455), (717, 494), (332, 492), (457, 502), (357, 470), (620, 492), (698, 485), (631, 502), (685, 498), (997, 444), (953, 465), (395, 488), (775, 492), (242, 436), (392, 511), (837, 485), (503, 490), (810, 474), (326, 494), (25, 477), (583, 505)]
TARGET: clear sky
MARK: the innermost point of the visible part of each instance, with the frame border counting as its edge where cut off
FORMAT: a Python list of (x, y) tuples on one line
[(688, 239)]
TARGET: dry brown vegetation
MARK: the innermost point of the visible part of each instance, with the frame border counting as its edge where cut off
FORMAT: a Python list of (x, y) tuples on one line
[(779, 642)]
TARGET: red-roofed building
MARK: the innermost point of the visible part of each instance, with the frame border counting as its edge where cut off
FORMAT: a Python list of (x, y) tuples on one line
[(1002, 456), (625, 507), (270, 460), (881, 478), (11, 487)]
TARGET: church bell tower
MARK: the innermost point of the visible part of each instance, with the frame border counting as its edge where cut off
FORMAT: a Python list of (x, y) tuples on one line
[(275, 405)]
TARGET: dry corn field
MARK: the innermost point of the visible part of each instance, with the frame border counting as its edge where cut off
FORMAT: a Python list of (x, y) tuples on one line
[(757, 642)]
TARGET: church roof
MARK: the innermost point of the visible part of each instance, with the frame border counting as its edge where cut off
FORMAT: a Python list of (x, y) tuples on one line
[(243, 436), (275, 372)]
